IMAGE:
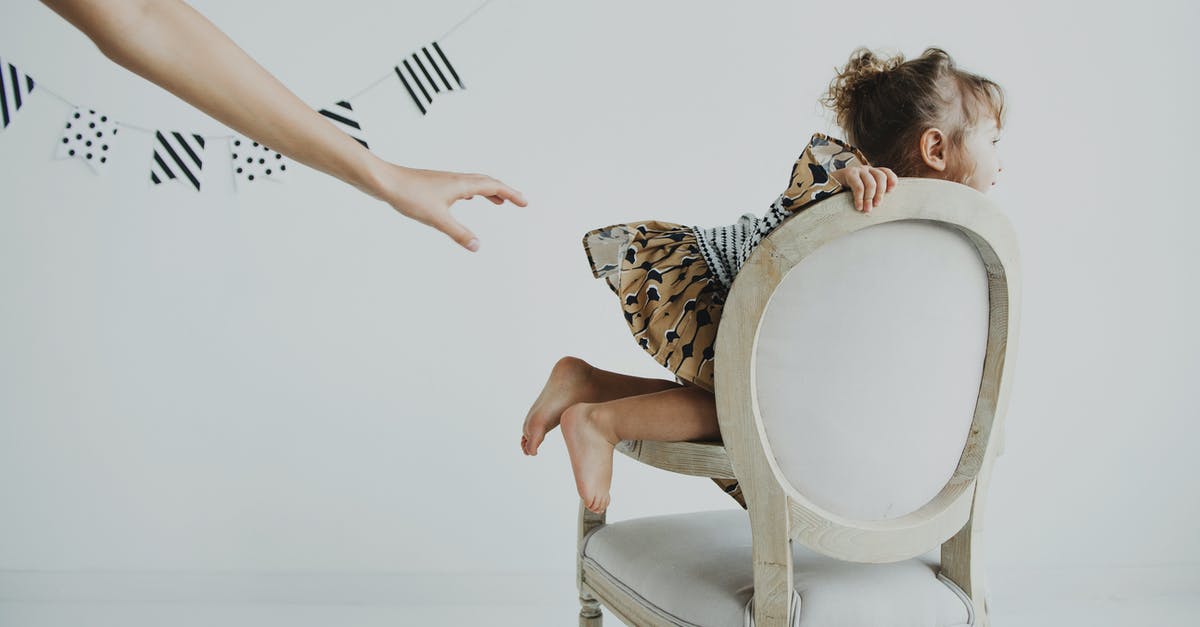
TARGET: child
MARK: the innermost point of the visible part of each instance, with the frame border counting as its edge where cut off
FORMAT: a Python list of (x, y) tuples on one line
[(920, 118)]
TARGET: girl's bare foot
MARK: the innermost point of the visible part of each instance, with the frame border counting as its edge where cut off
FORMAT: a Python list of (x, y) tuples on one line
[(569, 383), (590, 445)]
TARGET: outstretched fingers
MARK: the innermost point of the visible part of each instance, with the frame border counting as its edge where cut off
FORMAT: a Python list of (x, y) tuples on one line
[(470, 186), (456, 230), (495, 190)]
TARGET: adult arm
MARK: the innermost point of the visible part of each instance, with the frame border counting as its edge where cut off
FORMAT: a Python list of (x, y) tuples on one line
[(172, 45)]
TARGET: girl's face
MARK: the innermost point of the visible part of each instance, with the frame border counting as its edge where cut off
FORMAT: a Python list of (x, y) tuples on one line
[(979, 147)]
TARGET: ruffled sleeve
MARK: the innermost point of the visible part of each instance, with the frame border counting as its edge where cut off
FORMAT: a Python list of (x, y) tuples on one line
[(811, 180)]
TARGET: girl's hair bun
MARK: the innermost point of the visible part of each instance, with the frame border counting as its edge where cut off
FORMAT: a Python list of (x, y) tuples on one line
[(856, 79)]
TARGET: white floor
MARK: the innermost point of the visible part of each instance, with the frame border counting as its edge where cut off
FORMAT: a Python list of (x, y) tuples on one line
[(1102, 613), (1132, 597)]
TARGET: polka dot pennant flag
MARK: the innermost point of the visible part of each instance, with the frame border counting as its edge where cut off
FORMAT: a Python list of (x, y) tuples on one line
[(177, 157), (88, 136), (253, 161), (15, 88)]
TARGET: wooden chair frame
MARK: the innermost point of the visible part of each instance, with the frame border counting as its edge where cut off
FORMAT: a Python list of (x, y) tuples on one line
[(780, 514)]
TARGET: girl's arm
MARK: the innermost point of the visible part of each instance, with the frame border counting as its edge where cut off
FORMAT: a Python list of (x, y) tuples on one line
[(172, 45)]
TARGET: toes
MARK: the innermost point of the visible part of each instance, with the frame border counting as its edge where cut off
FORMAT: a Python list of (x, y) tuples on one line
[(531, 440), (597, 504)]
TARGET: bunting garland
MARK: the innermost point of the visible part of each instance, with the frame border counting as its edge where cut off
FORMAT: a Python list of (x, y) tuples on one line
[(15, 88), (179, 156)]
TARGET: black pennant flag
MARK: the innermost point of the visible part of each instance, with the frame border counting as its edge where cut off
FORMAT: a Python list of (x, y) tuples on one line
[(342, 115), (177, 156), (15, 88), (428, 72)]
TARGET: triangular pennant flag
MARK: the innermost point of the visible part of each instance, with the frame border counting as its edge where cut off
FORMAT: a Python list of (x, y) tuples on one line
[(342, 115), (177, 156), (88, 136), (428, 72), (253, 161), (15, 88)]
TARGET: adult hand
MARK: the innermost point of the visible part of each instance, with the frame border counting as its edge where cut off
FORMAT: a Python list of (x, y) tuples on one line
[(426, 196)]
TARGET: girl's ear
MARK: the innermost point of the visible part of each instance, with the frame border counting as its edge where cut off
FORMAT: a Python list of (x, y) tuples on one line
[(933, 149)]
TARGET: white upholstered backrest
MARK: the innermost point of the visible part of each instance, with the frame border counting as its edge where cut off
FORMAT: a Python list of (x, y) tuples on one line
[(868, 366)]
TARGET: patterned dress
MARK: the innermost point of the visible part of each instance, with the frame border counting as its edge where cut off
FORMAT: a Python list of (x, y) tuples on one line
[(672, 280)]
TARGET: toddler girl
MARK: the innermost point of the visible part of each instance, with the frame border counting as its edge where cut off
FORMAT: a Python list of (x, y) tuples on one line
[(918, 118)]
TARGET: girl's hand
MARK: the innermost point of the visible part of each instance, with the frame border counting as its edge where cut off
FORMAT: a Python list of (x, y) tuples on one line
[(868, 184), (426, 196)]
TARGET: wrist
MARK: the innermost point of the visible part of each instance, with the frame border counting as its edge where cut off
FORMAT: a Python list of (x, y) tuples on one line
[(374, 176)]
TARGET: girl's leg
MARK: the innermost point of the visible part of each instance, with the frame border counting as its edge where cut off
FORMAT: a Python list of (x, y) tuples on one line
[(592, 430), (573, 380)]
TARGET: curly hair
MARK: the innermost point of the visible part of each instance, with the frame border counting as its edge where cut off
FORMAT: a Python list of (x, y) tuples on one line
[(885, 104)]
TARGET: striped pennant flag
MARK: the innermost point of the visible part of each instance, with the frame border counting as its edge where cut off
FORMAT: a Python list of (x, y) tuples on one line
[(88, 136), (15, 88), (428, 72), (342, 116), (253, 161), (177, 156)]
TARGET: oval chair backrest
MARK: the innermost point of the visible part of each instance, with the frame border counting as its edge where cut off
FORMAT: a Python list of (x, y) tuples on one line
[(861, 358), (869, 357)]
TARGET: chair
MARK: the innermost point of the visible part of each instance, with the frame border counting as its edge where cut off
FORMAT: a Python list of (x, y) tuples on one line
[(863, 371)]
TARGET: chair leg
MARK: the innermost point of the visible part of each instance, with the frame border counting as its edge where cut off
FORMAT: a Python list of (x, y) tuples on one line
[(589, 613)]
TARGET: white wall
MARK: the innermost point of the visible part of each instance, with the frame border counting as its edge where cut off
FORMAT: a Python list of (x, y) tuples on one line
[(293, 378)]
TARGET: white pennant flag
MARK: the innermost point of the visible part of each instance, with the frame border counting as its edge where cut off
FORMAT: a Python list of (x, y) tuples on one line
[(253, 161), (88, 136)]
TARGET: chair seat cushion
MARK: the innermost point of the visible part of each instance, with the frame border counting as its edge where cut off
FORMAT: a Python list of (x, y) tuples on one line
[(695, 569)]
